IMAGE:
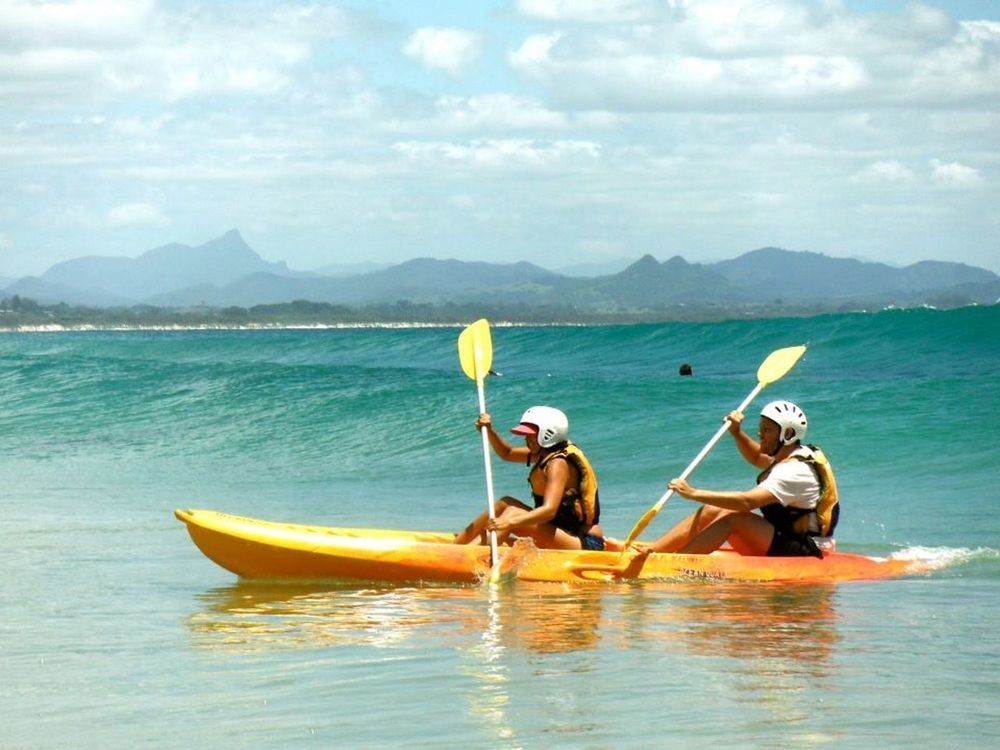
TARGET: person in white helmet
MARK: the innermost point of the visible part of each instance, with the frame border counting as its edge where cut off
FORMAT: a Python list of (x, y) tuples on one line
[(796, 495), (563, 485)]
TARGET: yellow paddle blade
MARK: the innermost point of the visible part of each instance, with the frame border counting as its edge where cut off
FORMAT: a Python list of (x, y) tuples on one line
[(640, 526), (779, 362), (475, 349)]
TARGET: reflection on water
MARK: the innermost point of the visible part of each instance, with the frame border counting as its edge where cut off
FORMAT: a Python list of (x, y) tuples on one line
[(552, 618), (763, 623), (490, 702), (486, 627), (775, 642), (788, 628), (263, 617), (258, 617)]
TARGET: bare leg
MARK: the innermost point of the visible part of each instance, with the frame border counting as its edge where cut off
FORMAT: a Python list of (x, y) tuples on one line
[(510, 514), (544, 535), (474, 532), (748, 533), (689, 528)]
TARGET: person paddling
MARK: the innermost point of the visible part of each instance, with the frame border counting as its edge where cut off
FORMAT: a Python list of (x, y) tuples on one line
[(563, 486), (796, 495)]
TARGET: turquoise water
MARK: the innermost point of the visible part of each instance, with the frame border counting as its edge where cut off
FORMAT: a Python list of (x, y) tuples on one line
[(117, 632)]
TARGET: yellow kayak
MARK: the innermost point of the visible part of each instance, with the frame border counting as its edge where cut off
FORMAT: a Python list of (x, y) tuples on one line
[(256, 549)]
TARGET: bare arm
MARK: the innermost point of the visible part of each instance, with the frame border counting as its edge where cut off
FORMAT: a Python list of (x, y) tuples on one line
[(746, 500), (556, 476), (748, 447), (501, 447)]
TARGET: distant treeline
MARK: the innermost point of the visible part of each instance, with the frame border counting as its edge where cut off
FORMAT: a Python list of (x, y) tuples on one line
[(16, 312)]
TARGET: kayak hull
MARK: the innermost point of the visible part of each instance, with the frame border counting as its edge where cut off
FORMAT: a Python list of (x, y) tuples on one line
[(256, 549)]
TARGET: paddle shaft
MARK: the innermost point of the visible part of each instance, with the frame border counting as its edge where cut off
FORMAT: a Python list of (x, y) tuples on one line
[(651, 513), (709, 445), (494, 555)]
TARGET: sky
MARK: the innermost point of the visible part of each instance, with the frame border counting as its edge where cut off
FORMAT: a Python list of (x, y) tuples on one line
[(558, 132)]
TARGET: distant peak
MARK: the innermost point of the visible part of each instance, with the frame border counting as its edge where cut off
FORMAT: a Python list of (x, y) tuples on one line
[(232, 236), (769, 250), (425, 262), (780, 252), (231, 241), (647, 261)]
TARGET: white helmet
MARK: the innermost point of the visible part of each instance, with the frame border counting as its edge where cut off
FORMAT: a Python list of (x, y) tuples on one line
[(551, 425), (787, 416)]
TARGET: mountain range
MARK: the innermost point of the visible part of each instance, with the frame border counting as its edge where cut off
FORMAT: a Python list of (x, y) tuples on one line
[(227, 272)]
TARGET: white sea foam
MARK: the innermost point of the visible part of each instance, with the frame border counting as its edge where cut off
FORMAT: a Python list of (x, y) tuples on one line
[(945, 557)]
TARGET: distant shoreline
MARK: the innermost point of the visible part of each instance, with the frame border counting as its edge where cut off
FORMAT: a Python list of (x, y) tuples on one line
[(34, 325), (97, 328)]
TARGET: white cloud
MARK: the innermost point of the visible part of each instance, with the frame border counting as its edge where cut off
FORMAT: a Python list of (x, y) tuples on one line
[(886, 171), (65, 52), (73, 24), (449, 50), (964, 123), (32, 188), (534, 52), (593, 11), (505, 112), (955, 175), (767, 200), (502, 152), (738, 55), (784, 146), (141, 127), (137, 214)]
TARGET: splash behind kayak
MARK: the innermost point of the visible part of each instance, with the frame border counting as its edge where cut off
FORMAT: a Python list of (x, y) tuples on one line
[(256, 549)]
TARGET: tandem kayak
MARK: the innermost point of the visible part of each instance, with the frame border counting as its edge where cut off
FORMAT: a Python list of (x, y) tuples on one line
[(255, 549)]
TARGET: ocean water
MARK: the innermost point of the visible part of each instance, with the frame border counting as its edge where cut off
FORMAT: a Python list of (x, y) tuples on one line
[(117, 632)]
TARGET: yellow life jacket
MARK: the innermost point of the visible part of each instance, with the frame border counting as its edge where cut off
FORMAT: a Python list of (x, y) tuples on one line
[(827, 510), (580, 507)]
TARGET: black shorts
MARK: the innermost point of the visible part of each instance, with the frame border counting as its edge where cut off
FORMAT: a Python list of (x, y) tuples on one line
[(792, 545), (590, 541)]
